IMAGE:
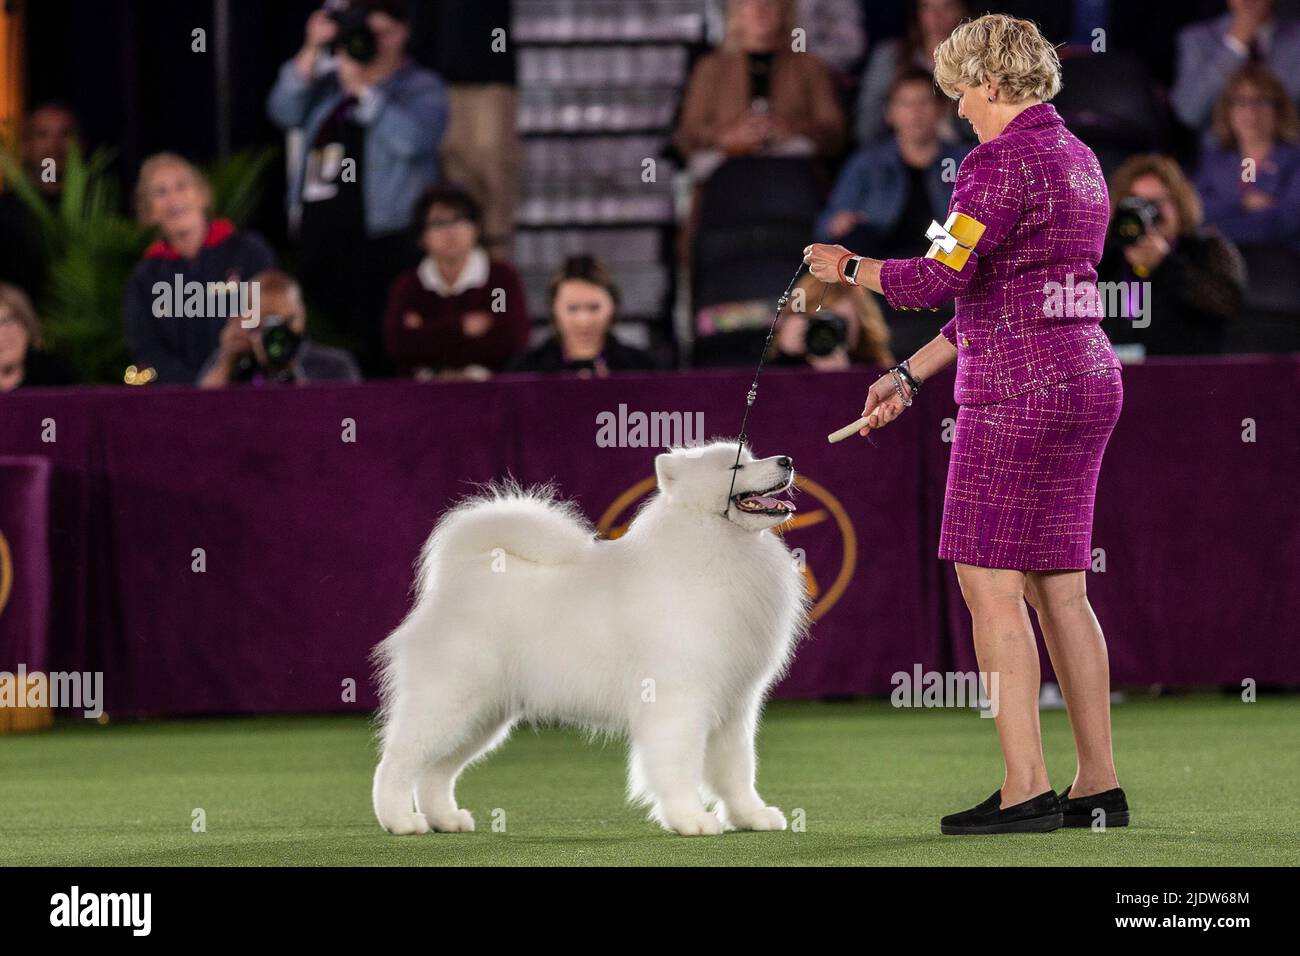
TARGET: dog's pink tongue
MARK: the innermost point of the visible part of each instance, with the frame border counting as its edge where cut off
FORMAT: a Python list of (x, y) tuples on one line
[(769, 503)]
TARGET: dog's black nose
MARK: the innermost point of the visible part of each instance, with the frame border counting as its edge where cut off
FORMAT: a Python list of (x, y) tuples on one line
[(784, 462)]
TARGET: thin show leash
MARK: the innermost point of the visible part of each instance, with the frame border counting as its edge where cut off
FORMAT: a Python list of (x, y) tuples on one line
[(762, 360)]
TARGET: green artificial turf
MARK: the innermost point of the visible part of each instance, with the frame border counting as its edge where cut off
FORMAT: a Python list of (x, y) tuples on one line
[(1211, 781)]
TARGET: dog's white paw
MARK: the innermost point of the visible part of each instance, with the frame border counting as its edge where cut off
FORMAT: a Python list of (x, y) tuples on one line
[(406, 824), (699, 824), (457, 821), (765, 818)]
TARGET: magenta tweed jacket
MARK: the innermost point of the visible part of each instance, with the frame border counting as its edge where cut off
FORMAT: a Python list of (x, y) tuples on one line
[(1042, 199)]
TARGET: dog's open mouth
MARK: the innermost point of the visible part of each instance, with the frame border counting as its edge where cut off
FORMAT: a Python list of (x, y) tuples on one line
[(763, 503)]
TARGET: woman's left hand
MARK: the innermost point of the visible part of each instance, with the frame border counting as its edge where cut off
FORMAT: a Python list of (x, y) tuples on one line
[(824, 261), (882, 405)]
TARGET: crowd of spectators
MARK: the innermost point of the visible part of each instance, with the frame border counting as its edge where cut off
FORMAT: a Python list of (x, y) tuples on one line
[(393, 266)]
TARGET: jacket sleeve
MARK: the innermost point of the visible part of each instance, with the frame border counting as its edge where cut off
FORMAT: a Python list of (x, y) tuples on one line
[(821, 119), (144, 339), (410, 119), (405, 346), (695, 128), (849, 193), (1205, 62), (258, 256), (989, 191), (876, 79), (508, 333), (290, 98)]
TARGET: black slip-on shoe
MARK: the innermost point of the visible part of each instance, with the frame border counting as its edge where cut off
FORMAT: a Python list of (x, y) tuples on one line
[(1042, 814), (1082, 811)]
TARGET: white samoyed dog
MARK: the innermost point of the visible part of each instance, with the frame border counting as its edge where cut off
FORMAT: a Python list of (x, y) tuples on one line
[(670, 635)]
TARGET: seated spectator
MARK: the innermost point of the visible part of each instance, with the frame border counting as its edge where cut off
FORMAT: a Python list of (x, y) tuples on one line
[(583, 300), (888, 192), (1254, 124), (173, 197), (275, 347), (929, 23), (47, 132), (1211, 51), (756, 95), (1196, 277), (24, 363), (458, 314), (371, 131), (848, 329)]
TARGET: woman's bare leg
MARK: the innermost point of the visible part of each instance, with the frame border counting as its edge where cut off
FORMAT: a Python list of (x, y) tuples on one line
[(1005, 646), (1078, 651)]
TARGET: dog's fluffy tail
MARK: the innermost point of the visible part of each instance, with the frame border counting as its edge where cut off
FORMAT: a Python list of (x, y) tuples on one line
[(530, 524)]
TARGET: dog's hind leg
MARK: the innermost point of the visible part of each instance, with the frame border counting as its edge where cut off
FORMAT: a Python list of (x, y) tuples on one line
[(729, 767), (394, 787), (668, 765), (435, 792)]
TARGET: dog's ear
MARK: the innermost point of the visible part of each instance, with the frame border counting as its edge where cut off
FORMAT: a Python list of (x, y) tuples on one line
[(665, 470)]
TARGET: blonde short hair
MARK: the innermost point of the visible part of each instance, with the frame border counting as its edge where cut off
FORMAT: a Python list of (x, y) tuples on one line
[(156, 162), (1008, 52)]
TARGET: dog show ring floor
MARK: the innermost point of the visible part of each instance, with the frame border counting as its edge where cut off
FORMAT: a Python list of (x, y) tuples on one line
[(1211, 780)]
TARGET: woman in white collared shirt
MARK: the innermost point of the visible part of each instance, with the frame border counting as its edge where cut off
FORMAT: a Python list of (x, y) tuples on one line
[(458, 313)]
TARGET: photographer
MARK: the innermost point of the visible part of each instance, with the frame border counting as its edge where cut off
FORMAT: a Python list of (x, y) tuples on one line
[(1196, 276), (847, 330), (275, 349), (371, 123)]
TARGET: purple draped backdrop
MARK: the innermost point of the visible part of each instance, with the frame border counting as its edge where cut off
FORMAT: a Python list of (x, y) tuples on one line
[(308, 540)]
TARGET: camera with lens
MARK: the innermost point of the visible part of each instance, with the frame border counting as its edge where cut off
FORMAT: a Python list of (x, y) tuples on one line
[(280, 344), (825, 334), (1133, 217), (279, 341), (354, 36)]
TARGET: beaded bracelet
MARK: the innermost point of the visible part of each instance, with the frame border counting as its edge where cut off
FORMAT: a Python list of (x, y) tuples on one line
[(913, 382), (898, 387)]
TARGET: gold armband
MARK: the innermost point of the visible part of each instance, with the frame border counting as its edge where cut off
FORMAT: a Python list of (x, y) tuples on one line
[(953, 242)]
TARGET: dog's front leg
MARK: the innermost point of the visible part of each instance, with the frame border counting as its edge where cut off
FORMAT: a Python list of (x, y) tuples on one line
[(729, 772), (668, 747)]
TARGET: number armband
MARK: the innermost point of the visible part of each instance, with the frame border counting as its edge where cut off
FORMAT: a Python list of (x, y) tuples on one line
[(953, 242)]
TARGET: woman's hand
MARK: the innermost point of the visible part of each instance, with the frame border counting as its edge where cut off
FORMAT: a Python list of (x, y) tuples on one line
[(743, 137), (1256, 200), (1148, 252), (474, 324), (824, 261), (883, 404), (844, 222), (235, 340)]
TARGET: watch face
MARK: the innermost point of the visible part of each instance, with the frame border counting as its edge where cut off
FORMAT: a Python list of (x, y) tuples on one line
[(851, 268)]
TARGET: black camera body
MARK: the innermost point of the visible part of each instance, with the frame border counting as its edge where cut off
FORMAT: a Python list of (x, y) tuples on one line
[(825, 334), (354, 36), (1133, 217), (280, 343)]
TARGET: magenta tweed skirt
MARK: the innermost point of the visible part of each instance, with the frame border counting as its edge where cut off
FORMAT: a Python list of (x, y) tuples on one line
[(1022, 476)]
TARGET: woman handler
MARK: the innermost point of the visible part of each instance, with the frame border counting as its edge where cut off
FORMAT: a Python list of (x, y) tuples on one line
[(1039, 390)]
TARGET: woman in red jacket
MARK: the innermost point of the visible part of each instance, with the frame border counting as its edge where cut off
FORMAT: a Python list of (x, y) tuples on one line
[(458, 313)]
